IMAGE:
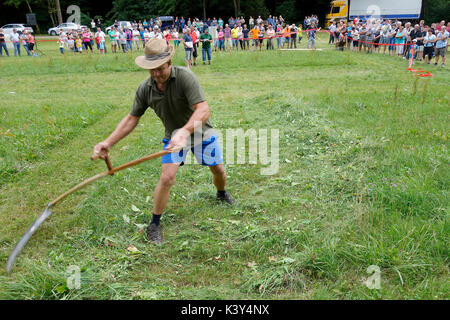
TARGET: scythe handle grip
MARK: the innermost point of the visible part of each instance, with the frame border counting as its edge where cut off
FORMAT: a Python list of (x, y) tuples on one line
[(107, 161), (108, 164)]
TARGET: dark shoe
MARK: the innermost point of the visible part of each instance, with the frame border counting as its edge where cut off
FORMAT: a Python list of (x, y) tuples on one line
[(225, 198), (154, 233)]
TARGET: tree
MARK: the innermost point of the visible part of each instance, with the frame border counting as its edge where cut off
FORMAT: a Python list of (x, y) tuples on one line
[(237, 7), (17, 3)]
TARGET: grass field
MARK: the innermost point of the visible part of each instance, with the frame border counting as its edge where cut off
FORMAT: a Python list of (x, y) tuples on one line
[(363, 180)]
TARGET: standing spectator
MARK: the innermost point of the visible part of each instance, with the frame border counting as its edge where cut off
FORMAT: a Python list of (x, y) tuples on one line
[(355, 38), (261, 34), (101, 40), (15, 38), (112, 33), (167, 35), (299, 34), (270, 35), (24, 39), (349, 35), (286, 35), (3, 43), (245, 34), (61, 45), (293, 36), (99, 23), (429, 45), (441, 45), (147, 35), (176, 36), (385, 32), (87, 40), (332, 29), (195, 40), (279, 35), (30, 41), (251, 22), (417, 36), (241, 38), (71, 43), (206, 41), (362, 37), (228, 42), (221, 38), (129, 34), (123, 40), (369, 39), (312, 38), (254, 32), (259, 20), (78, 44), (135, 37), (234, 36), (400, 40), (188, 47), (92, 25)]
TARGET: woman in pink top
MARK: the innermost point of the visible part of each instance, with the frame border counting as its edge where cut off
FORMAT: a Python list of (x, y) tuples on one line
[(221, 37), (30, 41), (87, 40)]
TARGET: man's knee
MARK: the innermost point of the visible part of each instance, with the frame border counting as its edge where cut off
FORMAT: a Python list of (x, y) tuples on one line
[(218, 169), (167, 179)]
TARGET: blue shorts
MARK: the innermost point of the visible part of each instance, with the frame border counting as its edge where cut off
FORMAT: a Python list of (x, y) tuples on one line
[(209, 154)]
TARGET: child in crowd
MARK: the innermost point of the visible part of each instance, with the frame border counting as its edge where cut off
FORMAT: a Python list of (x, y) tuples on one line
[(61, 45), (78, 44)]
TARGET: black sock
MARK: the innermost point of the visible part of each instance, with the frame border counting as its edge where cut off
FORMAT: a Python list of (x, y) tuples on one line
[(221, 193), (155, 219)]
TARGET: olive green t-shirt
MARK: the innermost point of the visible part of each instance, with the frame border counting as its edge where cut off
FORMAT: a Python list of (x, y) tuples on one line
[(174, 106)]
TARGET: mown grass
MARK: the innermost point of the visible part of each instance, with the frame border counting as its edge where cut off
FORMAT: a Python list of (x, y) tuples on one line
[(363, 180)]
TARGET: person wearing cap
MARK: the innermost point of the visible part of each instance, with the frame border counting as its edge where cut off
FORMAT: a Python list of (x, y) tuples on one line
[(206, 41), (175, 95)]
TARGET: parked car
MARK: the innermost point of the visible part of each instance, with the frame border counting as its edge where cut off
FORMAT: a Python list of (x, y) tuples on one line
[(8, 28), (122, 24), (65, 27), (166, 21)]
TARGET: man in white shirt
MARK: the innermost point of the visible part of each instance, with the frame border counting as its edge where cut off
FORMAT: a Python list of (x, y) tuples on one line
[(332, 29), (15, 38), (101, 38)]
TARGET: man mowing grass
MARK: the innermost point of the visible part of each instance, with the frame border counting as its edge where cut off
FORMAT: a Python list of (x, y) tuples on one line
[(175, 94)]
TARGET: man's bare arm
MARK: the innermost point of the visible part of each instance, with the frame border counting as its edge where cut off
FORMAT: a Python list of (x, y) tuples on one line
[(125, 126), (200, 115)]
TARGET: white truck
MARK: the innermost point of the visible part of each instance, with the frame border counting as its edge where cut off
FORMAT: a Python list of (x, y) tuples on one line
[(347, 10)]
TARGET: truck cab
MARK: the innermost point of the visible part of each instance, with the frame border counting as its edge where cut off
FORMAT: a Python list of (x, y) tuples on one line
[(338, 12)]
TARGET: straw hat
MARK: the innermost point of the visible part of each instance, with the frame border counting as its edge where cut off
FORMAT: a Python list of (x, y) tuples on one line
[(156, 53)]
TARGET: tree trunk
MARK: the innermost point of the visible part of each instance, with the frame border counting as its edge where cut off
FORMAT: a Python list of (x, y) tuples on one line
[(204, 10), (31, 11), (58, 12), (237, 7)]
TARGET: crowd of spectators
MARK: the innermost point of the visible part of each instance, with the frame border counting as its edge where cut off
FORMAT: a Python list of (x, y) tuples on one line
[(422, 42)]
